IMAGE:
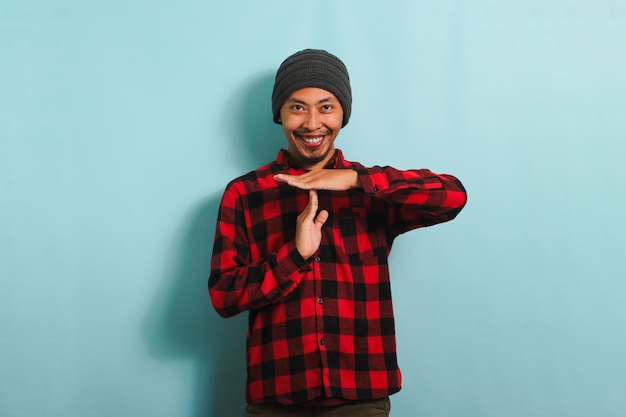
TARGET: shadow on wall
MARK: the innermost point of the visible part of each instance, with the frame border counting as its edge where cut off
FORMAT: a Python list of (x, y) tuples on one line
[(182, 323), (248, 120)]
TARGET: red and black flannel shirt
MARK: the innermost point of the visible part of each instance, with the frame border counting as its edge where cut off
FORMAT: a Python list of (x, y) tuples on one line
[(321, 327)]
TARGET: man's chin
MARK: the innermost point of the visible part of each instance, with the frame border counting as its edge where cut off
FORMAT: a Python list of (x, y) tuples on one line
[(308, 159), (312, 159)]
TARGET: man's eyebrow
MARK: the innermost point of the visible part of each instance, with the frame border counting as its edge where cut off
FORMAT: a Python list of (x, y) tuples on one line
[(299, 101)]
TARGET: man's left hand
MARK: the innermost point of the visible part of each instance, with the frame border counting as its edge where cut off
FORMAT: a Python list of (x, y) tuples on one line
[(323, 179)]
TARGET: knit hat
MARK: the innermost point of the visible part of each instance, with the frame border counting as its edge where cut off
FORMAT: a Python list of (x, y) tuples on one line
[(312, 68)]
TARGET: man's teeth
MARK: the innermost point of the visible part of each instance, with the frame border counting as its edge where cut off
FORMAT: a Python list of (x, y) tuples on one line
[(314, 140)]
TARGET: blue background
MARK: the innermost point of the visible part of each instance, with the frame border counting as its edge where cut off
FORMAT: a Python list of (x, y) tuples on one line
[(122, 121)]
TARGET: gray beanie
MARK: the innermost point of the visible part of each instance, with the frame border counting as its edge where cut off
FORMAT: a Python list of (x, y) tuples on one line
[(312, 68)]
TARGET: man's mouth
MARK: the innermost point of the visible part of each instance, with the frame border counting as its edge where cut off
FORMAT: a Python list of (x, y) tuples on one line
[(312, 141)]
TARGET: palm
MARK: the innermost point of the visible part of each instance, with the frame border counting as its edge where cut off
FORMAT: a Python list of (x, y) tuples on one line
[(309, 227)]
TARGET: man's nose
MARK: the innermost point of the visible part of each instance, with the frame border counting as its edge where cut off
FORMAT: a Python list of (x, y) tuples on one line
[(313, 121)]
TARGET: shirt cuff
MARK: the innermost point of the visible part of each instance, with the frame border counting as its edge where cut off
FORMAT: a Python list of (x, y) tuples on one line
[(374, 181), (291, 263)]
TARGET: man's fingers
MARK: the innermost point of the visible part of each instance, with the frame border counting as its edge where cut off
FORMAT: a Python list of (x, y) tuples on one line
[(308, 227), (313, 202), (282, 177), (323, 179), (293, 180), (308, 214), (321, 218)]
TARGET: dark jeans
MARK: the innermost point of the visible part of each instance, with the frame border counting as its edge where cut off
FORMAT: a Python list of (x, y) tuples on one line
[(376, 408)]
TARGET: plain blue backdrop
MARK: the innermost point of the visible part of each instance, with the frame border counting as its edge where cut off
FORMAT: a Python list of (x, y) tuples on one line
[(121, 122)]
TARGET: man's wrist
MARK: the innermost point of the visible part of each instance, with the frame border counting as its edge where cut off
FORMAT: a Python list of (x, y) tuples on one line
[(357, 180)]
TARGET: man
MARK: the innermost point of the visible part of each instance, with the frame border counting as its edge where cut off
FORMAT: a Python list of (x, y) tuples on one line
[(302, 244)]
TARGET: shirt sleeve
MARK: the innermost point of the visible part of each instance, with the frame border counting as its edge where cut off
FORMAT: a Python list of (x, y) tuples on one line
[(415, 198), (237, 283)]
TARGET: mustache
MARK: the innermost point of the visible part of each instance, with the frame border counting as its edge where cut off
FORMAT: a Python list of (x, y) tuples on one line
[(302, 132)]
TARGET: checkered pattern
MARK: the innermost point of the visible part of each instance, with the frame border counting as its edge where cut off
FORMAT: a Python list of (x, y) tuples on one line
[(320, 327)]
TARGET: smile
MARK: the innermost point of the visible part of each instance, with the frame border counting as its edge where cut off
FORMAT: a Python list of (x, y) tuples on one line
[(315, 140)]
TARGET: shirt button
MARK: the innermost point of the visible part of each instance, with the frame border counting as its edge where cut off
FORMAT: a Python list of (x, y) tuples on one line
[(376, 188), (319, 300), (322, 342), (317, 259)]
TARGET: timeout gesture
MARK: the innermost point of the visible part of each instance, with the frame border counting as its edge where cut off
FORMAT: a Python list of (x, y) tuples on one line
[(310, 222)]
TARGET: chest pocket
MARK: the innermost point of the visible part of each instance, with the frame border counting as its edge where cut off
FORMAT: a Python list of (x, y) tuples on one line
[(362, 234)]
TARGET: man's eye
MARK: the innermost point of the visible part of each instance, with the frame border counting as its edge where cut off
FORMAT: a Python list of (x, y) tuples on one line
[(327, 107), (297, 107)]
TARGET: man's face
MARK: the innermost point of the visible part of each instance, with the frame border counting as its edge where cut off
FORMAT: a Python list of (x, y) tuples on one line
[(311, 119)]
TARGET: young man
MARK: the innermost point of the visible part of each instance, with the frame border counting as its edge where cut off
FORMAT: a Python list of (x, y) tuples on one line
[(302, 244)]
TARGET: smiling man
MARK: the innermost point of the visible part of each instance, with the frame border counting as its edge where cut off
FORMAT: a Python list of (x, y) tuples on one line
[(302, 244), (311, 119)]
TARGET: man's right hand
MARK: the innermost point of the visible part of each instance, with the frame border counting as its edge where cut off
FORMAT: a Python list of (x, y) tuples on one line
[(309, 227)]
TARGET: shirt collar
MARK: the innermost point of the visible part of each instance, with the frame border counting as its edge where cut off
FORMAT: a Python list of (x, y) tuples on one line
[(286, 161)]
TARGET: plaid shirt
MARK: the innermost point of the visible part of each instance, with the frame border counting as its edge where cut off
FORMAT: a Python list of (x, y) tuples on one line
[(321, 327)]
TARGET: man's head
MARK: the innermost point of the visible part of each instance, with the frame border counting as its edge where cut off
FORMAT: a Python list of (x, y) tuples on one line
[(312, 68), (312, 101)]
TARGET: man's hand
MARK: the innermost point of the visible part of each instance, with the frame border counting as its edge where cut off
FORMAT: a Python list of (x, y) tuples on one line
[(309, 227), (323, 179)]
